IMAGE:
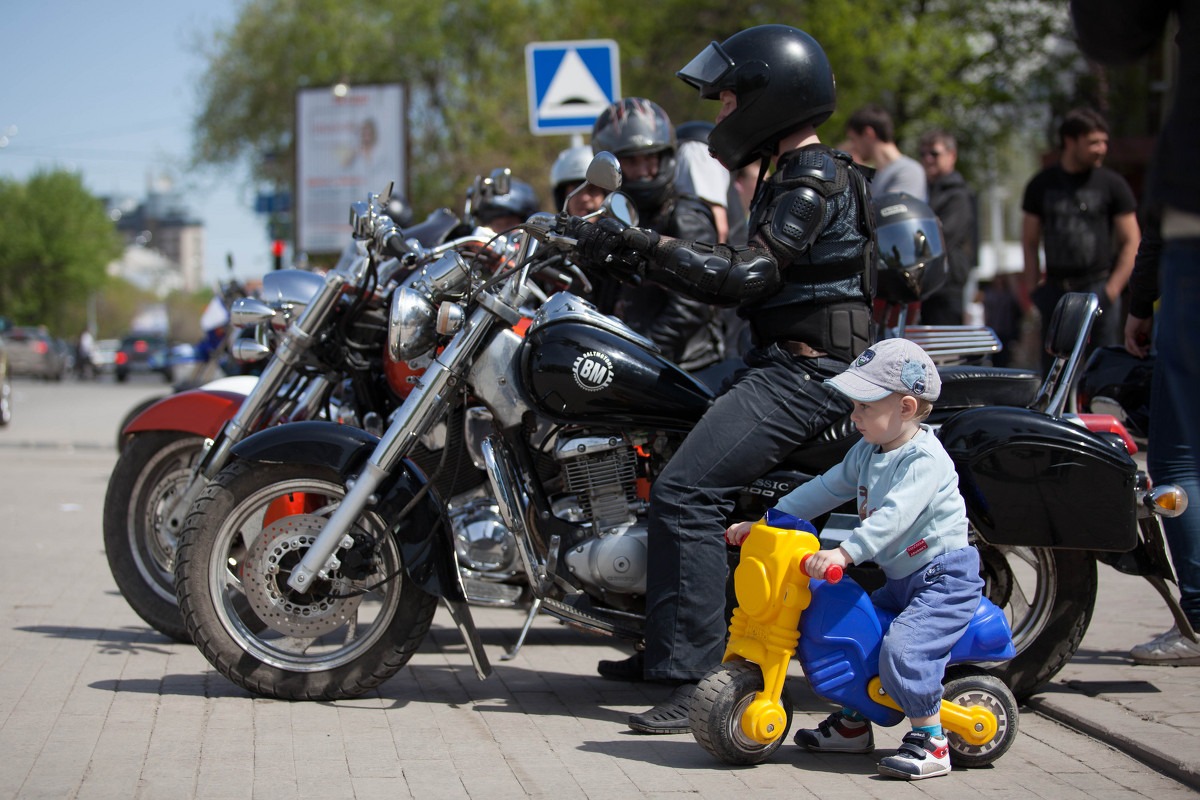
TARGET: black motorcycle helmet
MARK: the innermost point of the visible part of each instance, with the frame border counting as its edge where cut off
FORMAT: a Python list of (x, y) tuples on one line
[(399, 210), (911, 248), (521, 201), (782, 80), (1116, 382), (633, 127)]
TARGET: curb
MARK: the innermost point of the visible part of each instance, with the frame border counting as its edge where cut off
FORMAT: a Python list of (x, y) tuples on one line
[(1113, 724)]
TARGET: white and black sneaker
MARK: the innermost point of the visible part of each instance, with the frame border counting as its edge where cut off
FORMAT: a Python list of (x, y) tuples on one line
[(919, 756), (837, 734)]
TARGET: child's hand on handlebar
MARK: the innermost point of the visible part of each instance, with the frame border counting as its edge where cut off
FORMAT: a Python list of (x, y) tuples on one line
[(819, 562), (736, 533)]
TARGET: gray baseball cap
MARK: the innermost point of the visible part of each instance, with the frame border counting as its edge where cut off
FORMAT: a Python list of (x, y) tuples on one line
[(890, 365)]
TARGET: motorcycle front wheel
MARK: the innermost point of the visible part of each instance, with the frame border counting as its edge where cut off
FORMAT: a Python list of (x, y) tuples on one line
[(152, 472), (1048, 596), (354, 628)]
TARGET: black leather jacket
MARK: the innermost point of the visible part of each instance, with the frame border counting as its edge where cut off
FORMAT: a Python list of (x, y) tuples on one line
[(800, 279)]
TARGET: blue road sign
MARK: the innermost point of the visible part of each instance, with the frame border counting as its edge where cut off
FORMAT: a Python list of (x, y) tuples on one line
[(570, 83)]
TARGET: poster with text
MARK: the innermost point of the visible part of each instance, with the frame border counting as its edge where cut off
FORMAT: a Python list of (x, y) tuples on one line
[(350, 142)]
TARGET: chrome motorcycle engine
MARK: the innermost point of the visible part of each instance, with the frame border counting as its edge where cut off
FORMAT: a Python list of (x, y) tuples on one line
[(600, 490)]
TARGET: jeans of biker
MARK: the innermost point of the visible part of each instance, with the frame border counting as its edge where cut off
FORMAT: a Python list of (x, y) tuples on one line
[(773, 407), (1170, 459), (1177, 343)]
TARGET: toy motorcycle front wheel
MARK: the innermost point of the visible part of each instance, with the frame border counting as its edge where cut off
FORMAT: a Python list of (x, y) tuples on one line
[(718, 704), (971, 687)]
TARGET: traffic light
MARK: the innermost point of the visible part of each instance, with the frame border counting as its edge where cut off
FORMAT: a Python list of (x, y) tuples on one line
[(277, 253)]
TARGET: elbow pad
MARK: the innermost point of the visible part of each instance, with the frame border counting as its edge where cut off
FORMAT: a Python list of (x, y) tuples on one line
[(717, 274)]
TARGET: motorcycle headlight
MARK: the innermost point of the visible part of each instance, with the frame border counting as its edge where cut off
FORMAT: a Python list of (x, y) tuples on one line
[(411, 323)]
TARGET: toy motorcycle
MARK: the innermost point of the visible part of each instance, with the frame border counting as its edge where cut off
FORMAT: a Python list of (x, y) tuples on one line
[(741, 711)]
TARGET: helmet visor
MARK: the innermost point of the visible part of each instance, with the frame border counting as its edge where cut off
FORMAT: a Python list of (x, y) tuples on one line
[(706, 70), (907, 243)]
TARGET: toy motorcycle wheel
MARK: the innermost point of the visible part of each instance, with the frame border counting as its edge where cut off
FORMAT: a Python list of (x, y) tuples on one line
[(718, 703), (971, 688)]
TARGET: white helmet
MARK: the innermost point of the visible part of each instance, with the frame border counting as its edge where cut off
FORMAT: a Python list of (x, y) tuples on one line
[(570, 167)]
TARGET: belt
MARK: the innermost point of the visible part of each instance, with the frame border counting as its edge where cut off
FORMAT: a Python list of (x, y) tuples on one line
[(1073, 283), (800, 349)]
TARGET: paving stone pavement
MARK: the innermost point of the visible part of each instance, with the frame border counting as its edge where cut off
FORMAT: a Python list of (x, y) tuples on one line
[(94, 704)]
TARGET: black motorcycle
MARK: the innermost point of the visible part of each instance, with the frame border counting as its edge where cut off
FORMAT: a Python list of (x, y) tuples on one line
[(311, 566)]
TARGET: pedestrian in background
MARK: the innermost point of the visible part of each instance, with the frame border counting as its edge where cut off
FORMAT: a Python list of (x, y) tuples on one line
[(1114, 31), (954, 203), (872, 138), (1079, 211), (700, 175)]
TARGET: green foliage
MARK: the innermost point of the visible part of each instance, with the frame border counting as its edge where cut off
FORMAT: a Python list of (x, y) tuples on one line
[(55, 243), (976, 67)]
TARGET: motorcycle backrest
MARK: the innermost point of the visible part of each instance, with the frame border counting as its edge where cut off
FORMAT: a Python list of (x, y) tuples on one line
[(1066, 338)]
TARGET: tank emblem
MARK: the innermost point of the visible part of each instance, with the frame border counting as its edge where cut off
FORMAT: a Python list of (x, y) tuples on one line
[(593, 371)]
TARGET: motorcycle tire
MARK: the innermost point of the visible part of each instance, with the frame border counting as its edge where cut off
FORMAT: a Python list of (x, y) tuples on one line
[(715, 716), (349, 633), (131, 415), (975, 688), (153, 469), (1048, 596)]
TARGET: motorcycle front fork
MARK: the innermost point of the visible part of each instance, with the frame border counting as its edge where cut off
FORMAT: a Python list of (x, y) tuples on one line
[(773, 591)]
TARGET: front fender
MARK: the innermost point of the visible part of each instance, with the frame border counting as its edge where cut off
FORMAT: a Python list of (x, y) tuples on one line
[(424, 534), (198, 411)]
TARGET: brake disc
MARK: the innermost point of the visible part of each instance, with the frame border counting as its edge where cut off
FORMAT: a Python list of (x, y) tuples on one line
[(268, 565)]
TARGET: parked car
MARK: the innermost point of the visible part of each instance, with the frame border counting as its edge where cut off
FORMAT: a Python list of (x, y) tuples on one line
[(33, 351), (143, 353), (5, 387), (104, 357)]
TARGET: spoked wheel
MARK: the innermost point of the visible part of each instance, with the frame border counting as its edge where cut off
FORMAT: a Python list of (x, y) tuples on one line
[(718, 704), (353, 629), (972, 688), (152, 472), (1048, 596)]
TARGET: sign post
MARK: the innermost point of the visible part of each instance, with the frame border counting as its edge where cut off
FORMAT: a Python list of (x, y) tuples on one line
[(570, 84)]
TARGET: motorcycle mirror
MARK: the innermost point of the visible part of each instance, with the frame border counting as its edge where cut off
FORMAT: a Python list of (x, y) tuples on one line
[(501, 179), (604, 171), (620, 207)]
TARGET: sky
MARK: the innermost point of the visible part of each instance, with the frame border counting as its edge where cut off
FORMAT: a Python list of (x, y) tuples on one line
[(109, 89)]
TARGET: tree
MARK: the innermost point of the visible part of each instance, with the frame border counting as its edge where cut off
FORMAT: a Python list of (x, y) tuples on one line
[(977, 67), (55, 242)]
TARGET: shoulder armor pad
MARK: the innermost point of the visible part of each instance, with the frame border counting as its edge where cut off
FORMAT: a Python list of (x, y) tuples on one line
[(810, 164), (798, 218)]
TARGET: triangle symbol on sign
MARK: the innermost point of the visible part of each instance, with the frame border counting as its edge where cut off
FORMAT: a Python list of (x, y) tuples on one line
[(573, 91)]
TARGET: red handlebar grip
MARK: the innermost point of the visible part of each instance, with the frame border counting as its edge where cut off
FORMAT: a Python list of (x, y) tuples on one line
[(833, 573)]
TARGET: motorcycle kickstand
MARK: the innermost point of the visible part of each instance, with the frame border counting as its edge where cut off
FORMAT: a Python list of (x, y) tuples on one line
[(534, 608)]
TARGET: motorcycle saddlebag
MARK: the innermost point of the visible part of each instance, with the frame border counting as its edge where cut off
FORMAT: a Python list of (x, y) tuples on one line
[(1031, 480)]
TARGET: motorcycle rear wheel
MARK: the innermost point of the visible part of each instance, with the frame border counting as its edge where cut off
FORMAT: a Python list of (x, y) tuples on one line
[(343, 637), (1048, 596), (153, 469)]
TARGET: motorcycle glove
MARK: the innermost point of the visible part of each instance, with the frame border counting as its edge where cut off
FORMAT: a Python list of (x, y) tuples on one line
[(609, 247)]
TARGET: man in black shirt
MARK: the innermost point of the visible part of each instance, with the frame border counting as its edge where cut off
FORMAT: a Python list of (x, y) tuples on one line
[(1080, 211)]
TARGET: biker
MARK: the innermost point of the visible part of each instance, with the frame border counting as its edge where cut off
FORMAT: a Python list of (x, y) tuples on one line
[(803, 281), (567, 174), (687, 330), (503, 211)]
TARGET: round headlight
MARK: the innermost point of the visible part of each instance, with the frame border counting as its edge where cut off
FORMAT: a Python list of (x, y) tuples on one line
[(410, 324)]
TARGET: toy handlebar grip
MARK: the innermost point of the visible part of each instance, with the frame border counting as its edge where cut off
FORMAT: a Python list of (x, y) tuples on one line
[(833, 573)]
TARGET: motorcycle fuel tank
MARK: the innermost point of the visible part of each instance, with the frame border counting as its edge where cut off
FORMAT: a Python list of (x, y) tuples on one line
[(581, 366)]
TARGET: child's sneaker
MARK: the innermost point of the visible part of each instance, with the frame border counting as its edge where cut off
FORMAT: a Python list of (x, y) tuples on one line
[(920, 756), (837, 734), (1170, 649)]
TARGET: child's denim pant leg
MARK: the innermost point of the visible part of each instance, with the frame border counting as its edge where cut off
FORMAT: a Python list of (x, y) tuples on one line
[(934, 606)]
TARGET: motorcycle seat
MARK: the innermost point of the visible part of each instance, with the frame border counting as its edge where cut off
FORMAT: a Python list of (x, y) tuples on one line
[(973, 386)]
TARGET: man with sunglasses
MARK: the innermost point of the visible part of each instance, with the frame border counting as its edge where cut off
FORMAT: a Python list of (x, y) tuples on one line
[(954, 203), (804, 283)]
